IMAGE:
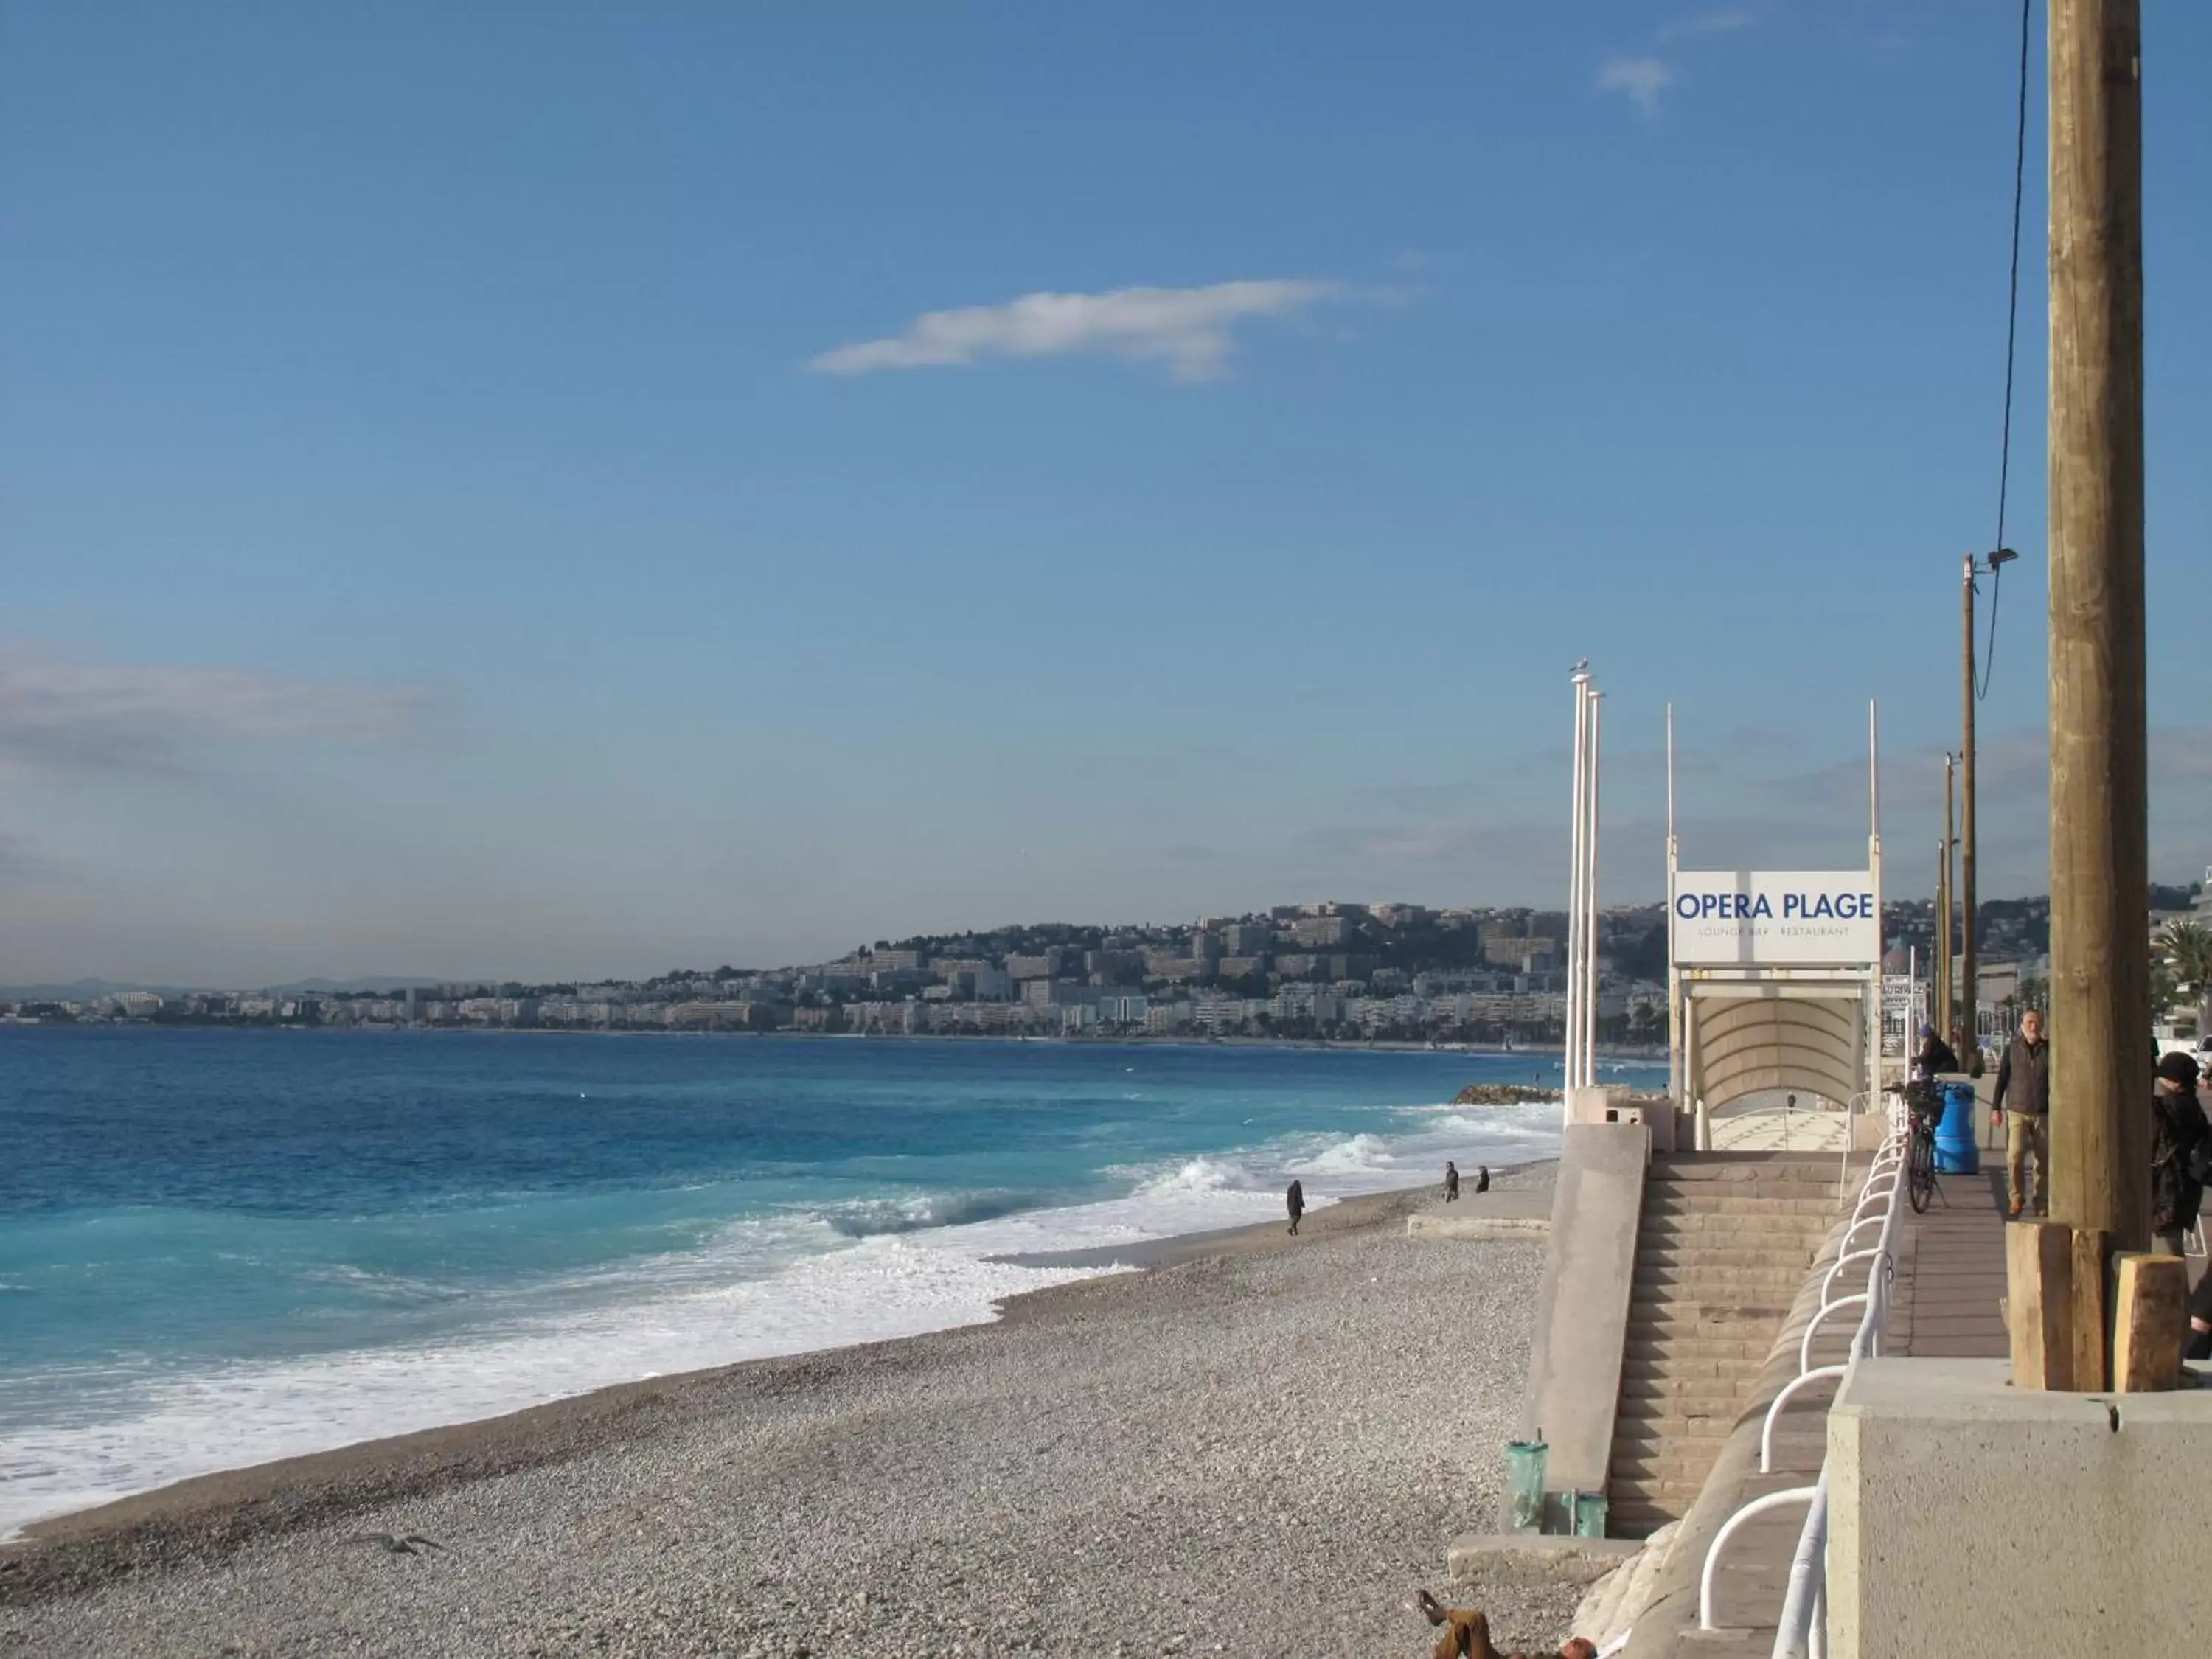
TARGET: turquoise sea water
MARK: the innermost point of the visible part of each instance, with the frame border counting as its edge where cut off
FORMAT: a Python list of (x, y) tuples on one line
[(217, 1247)]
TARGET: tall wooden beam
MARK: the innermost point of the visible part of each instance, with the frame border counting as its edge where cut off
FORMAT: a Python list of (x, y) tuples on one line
[(1970, 989), (2099, 962)]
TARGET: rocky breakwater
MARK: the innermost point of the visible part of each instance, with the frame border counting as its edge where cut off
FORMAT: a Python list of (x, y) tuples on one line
[(1503, 1094)]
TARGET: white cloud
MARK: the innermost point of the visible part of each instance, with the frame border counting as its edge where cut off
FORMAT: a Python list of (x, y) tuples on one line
[(1642, 79), (1727, 21), (1187, 329), (70, 716)]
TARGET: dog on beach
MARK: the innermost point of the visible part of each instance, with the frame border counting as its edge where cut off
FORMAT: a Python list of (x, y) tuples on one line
[(1467, 1635)]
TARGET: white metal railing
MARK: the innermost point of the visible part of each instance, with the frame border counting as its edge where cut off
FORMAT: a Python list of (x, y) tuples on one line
[(1802, 1633)]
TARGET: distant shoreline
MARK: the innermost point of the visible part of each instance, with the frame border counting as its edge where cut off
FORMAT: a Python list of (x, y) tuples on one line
[(1379, 1045)]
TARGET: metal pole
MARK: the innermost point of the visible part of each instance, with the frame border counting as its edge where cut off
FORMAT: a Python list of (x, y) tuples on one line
[(1572, 1027), (2099, 965), (1589, 903), (1674, 973), (1874, 870)]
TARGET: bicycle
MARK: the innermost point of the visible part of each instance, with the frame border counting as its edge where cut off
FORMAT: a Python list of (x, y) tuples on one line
[(1923, 1099), (1920, 1163)]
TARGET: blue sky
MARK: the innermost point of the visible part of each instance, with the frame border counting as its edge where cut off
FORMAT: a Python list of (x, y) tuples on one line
[(566, 488)]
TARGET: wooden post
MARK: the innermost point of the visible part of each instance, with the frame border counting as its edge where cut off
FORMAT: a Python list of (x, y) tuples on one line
[(2150, 1321), (2040, 1303), (2092, 1254), (1947, 961), (1969, 990), (2099, 965)]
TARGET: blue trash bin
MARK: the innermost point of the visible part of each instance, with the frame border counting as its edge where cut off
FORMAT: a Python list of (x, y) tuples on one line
[(1956, 1152)]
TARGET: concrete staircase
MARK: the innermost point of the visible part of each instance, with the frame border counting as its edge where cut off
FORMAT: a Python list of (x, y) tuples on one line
[(1725, 1242)]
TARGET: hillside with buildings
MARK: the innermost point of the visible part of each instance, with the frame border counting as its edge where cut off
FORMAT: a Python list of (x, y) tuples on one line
[(1328, 971)]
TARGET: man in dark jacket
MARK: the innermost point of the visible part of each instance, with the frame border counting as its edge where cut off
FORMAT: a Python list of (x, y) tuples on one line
[(2177, 1127), (1936, 1054), (2024, 1075)]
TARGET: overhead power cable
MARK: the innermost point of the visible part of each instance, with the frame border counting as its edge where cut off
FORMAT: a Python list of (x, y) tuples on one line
[(2012, 342)]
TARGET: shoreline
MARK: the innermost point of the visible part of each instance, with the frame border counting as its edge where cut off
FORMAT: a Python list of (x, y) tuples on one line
[(1627, 1052), (201, 1523)]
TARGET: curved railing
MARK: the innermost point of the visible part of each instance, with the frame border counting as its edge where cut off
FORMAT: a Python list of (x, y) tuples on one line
[(1802, 1634)]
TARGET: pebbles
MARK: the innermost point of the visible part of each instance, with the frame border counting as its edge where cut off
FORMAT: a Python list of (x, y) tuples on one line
[(1255, 1454)]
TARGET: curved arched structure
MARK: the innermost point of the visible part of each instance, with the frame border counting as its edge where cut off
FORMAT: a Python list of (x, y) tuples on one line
[(1811, 1043)]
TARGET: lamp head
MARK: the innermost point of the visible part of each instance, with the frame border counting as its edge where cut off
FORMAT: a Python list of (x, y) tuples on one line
[(2002, 555)]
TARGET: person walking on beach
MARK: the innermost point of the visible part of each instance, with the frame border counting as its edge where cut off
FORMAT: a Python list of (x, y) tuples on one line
[(1296, 1199), (2024, 1076), (1451, 1182), (1482, 1178), (2178, 1161)]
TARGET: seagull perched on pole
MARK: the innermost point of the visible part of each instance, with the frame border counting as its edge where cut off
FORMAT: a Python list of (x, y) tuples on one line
[(1581, 667)]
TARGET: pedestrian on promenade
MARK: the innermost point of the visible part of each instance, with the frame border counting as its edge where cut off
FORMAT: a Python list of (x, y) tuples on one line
[(2024, 1076), (2178, 1154), (1451, 1182), (1296, 1199), (1936, 1054)]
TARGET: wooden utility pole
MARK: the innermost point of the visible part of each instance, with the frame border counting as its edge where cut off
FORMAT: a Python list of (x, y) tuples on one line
[(1969, 981), (2100, 1035), (1947, 964)]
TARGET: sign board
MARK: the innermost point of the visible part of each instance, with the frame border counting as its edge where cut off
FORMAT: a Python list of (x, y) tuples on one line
[(1806, 917)]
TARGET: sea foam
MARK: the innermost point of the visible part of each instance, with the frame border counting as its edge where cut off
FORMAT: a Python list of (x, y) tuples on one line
[(764, 1286)]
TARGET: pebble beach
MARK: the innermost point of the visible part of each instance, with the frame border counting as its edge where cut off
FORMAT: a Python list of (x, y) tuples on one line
[(1257, 1445)]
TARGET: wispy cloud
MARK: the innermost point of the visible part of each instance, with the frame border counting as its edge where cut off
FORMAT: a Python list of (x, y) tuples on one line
[(1187, 329), (1728, 20), (1641, 80), (82, 717)]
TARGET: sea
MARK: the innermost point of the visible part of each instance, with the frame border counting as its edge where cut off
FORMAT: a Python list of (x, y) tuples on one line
[(219, 1248)]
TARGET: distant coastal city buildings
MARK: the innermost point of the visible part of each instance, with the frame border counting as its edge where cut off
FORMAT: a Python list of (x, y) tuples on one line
[(1333, 970)]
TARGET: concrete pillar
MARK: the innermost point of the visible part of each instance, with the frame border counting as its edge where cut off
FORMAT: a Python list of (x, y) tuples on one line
[(1966, 1516)]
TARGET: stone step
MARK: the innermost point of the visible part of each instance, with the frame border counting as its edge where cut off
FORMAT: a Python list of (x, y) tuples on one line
[(1817, 1169), (1741, 1371), (1664, 1416), (1734, 1226), (1763, 1184), (1676, 1287), (1696, 1347), (1635, 1518), (1779, 1255), (1694, 1319), (1707, 1445), (1649, 1473), (1673, 1421), (1674, 1198), (1679, 1490)]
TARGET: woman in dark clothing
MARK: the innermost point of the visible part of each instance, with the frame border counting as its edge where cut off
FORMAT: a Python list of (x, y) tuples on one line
[(1295, 1200), (2177, 1128)]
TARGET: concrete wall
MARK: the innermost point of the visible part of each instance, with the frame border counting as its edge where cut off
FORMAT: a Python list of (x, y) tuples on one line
[(1581, 1311), (1966, 1516)]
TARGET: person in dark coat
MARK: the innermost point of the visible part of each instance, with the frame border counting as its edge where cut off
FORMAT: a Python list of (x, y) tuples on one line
[(2178, 1131), (1936, 1054), (2024, 1089), (1451, 1182), (1482, 1178), (1296, 1199)]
